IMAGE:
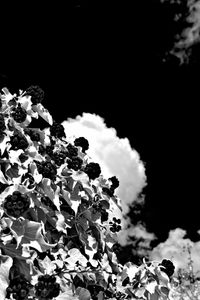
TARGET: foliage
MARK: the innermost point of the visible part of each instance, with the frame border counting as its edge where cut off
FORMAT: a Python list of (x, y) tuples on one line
[(58, 216)]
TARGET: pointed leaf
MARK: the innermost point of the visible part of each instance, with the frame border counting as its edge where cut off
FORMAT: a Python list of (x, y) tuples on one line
[(5, 265), (83, 294), (43, 113), (24, 268)]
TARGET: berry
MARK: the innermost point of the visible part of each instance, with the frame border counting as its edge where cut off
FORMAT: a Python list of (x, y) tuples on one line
[(93, 170), (71, 151), (168, 267), (34, 135), (115, 182), (36, 93), (2, 124), (19, 114), (82, 142), (47, 169), (18, 141), (57, 130), (47, 287), (74, 163), (16, 204)]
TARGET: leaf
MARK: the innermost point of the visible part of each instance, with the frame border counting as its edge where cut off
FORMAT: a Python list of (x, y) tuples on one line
[(68, 295), (17, 229), (2, 178), (75, 193), (83, 294), (162, 276), (3, 143), (154, 296), (105, 204), (75, 205), (5, 265), (11, 250), (34, 171), (87, 214), (164, 290), (66, 196), (41, 215), (43, 113), (60, 223), (13, 172), (101, 295), (46, 184), (24, 268), (33, 233), (140, 293), (74, 256), (82, 221), (150, 287)]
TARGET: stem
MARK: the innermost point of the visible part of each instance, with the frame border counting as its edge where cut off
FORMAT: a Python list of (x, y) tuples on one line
[(83, 271)]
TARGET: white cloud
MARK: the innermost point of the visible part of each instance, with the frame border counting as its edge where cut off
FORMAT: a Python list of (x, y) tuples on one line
[(114, 154), (175, 249), (190, 33)]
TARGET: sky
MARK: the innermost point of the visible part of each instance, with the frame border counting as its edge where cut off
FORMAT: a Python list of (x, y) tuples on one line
[(139, 79)]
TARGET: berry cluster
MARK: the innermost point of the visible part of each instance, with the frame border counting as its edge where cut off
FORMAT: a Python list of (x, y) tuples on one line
[(93, 170), (82, 142), (16, 204), (115, 227), (75, 163), (34, 135), (47, 169), (57, 130), (47, 287), (59, 157), (2, 124), (49, 150), (71, 151), (36, 93), (110, 191), (18, 287), (168, 267), (23, 157), (19, 114), (18, 141), (115, 182)]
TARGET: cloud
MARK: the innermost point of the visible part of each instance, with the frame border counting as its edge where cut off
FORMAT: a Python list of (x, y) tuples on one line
[(114, 154), (175, 249), (188, 20)]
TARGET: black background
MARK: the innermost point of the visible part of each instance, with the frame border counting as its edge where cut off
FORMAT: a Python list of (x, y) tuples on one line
[(111, 64)]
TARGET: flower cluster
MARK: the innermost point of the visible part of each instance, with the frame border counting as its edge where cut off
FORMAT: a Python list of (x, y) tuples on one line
[(57, 215)]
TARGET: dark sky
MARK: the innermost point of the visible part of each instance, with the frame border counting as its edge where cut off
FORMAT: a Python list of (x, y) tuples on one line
[(114, 69)]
